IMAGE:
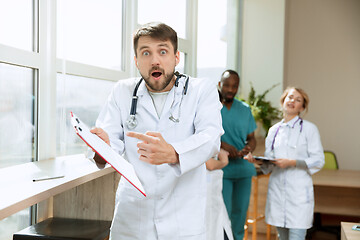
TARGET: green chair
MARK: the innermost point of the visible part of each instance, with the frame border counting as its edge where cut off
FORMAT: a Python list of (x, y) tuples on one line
[(330, 163), (330, 160)]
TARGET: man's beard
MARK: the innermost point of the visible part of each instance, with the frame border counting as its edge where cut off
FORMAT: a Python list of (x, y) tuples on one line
[(228, 100), (156, 88)]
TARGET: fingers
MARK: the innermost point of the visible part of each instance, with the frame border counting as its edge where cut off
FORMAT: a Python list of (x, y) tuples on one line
[(248, 156), (101, 134), (233, 153), (154, 134), (96, 130), (144, 137), (223, 151)]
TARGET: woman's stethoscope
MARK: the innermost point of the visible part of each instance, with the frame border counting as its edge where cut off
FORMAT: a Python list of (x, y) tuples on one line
[(277, 131), (131, 122)]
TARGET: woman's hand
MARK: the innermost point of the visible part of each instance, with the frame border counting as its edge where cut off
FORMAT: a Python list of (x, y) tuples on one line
[(250, 159), (284, 163), (223, 157)]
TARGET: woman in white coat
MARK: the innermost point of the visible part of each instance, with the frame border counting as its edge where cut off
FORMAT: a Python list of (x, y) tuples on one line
[(295, 145)]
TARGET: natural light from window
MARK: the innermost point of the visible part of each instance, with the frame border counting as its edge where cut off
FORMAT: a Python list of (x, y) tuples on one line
[(93, 37)]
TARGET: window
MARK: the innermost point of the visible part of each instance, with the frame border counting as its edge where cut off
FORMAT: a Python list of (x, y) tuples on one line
[(181, 67), (17, 96), (20, 18), (14, 223), (172, 13), (90, 32), (84, 97), (211, 48), (16, 115)]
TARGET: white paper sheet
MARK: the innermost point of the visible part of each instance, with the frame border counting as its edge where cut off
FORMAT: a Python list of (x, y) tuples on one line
[(107, 153)]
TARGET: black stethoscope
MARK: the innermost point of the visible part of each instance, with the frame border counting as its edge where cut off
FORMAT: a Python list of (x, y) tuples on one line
[(277, 131), (131, 122)]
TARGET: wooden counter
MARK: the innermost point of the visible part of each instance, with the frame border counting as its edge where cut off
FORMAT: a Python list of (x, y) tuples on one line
[(337, 192), (347, 233), (18, 191)]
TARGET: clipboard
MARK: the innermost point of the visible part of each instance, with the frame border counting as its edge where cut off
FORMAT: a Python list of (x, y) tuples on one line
[(263, 158), (107, 153)]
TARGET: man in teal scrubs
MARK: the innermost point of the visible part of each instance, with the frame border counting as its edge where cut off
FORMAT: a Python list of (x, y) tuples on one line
[(238, 140)]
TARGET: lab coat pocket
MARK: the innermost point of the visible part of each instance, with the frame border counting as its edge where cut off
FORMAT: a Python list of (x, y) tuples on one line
[(302, 188)]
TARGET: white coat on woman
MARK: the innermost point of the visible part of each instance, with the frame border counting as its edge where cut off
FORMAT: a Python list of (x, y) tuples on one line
[(174, 207), (290, 197)]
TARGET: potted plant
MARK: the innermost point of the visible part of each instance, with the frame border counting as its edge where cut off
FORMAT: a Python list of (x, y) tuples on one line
[(261, 109)]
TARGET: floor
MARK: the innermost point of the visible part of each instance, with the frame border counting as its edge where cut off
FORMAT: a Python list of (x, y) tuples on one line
[(261, 236), (326, 219), (316, 236)]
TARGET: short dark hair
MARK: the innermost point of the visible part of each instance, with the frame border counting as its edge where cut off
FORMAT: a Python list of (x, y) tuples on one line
[(158, 31), (231, 72)]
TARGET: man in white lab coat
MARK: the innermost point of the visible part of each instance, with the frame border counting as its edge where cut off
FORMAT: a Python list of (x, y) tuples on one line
[(176, 128)]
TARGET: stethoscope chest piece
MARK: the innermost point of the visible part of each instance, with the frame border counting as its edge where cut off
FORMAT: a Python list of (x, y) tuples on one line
[(131, 122)]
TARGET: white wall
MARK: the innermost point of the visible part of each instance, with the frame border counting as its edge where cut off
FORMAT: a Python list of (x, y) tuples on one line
[(322, 56)]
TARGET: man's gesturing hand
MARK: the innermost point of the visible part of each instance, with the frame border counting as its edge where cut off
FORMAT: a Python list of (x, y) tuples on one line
[(154, 149)]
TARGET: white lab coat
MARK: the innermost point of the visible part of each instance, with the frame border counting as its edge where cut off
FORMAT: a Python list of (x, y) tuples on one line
[(217, 219), (290, 198), (176, 194)]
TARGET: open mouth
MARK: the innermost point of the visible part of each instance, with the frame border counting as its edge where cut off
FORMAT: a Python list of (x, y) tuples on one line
[(290, 105), (156, 74)]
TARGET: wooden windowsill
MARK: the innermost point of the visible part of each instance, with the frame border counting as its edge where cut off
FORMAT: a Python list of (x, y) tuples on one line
[(18, 190)]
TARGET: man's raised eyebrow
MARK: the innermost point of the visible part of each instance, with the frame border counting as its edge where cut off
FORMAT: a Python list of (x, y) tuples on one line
[(164, 45), (143, 47)]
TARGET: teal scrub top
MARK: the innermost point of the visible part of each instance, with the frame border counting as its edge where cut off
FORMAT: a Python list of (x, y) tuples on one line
[(238, 122)]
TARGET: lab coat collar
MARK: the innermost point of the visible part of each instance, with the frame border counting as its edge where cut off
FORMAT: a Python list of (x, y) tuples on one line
[(291, 122), (170, 103), (143, 89)]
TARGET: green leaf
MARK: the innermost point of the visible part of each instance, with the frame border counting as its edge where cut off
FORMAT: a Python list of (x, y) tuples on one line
[(261, 109)]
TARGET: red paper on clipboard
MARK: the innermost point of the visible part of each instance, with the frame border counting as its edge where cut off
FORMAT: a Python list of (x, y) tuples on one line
[(107, 153)]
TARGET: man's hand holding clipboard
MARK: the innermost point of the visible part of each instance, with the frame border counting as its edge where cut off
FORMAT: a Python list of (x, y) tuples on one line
[(99, 142)]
